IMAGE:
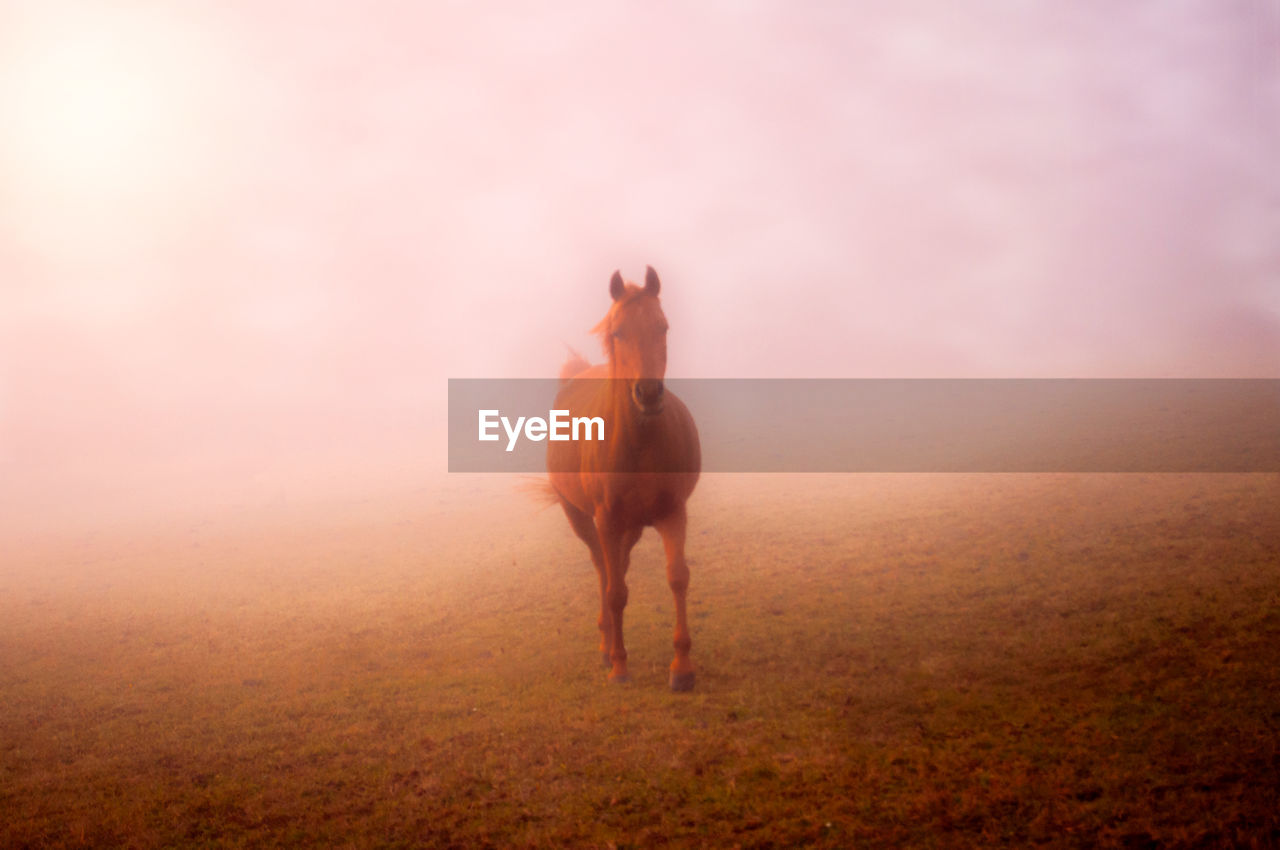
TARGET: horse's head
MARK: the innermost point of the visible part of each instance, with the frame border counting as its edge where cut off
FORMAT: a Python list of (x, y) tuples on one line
[(635, 338)]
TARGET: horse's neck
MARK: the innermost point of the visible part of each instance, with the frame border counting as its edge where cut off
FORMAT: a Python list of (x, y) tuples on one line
[(621, 411), (628, 426)]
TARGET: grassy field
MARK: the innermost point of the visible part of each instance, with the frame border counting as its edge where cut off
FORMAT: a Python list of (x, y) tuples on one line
[(1084, 660)]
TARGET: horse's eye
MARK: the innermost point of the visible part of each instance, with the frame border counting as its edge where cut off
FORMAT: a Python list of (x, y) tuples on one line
[(616, 334)]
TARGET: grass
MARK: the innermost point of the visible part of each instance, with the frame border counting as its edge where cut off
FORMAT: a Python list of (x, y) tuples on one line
[(882, 661)]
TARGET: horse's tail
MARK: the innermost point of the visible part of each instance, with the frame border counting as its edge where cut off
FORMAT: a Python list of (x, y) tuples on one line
[(574, 366), (539, 489)]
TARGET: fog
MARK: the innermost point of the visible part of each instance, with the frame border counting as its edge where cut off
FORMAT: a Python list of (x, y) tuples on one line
[(243, 246)]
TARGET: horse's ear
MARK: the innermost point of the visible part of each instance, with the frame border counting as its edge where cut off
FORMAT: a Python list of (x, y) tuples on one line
[(651, 282), (616, 287)]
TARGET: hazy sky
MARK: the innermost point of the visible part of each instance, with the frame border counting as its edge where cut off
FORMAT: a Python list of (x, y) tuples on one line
[(297, 219)]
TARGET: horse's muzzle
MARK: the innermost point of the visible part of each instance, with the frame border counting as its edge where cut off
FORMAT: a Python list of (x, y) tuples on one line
[(647, 393)]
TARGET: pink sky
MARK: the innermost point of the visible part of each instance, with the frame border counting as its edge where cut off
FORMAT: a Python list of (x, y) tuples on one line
[(292, 221)]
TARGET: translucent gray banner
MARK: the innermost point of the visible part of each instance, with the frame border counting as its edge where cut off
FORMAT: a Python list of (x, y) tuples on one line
[(1169, 425)]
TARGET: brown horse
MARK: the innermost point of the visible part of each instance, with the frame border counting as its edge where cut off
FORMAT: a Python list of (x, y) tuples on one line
[(640, 474)]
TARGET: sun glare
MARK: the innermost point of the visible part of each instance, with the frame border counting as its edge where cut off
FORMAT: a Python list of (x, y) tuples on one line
[(89, 111), (101, 109), (95, 119)]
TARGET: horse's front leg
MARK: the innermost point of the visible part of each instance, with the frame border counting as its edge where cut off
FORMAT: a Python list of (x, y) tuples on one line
[(606, 619), (615, 543), (672, 529)]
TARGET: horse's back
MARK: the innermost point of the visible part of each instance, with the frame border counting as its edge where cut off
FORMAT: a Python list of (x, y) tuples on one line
[(575, 366), (579, 395)]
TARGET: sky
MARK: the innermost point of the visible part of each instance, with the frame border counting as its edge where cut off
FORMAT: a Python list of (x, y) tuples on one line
[(271, 230)]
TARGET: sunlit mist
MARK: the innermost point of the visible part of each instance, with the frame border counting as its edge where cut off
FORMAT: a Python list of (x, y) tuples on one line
[(249, 242)]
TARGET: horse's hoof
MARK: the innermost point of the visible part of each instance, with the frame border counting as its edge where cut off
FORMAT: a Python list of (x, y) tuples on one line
[(681, 682), (619, 679)]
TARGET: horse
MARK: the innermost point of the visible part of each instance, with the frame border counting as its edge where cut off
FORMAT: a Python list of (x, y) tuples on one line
[(643, 471)]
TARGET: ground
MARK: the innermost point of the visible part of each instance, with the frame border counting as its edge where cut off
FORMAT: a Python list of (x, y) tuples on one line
[(896, 660)]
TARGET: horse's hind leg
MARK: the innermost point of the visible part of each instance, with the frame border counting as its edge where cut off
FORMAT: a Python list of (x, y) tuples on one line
[(672, 529), (585, 528)]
